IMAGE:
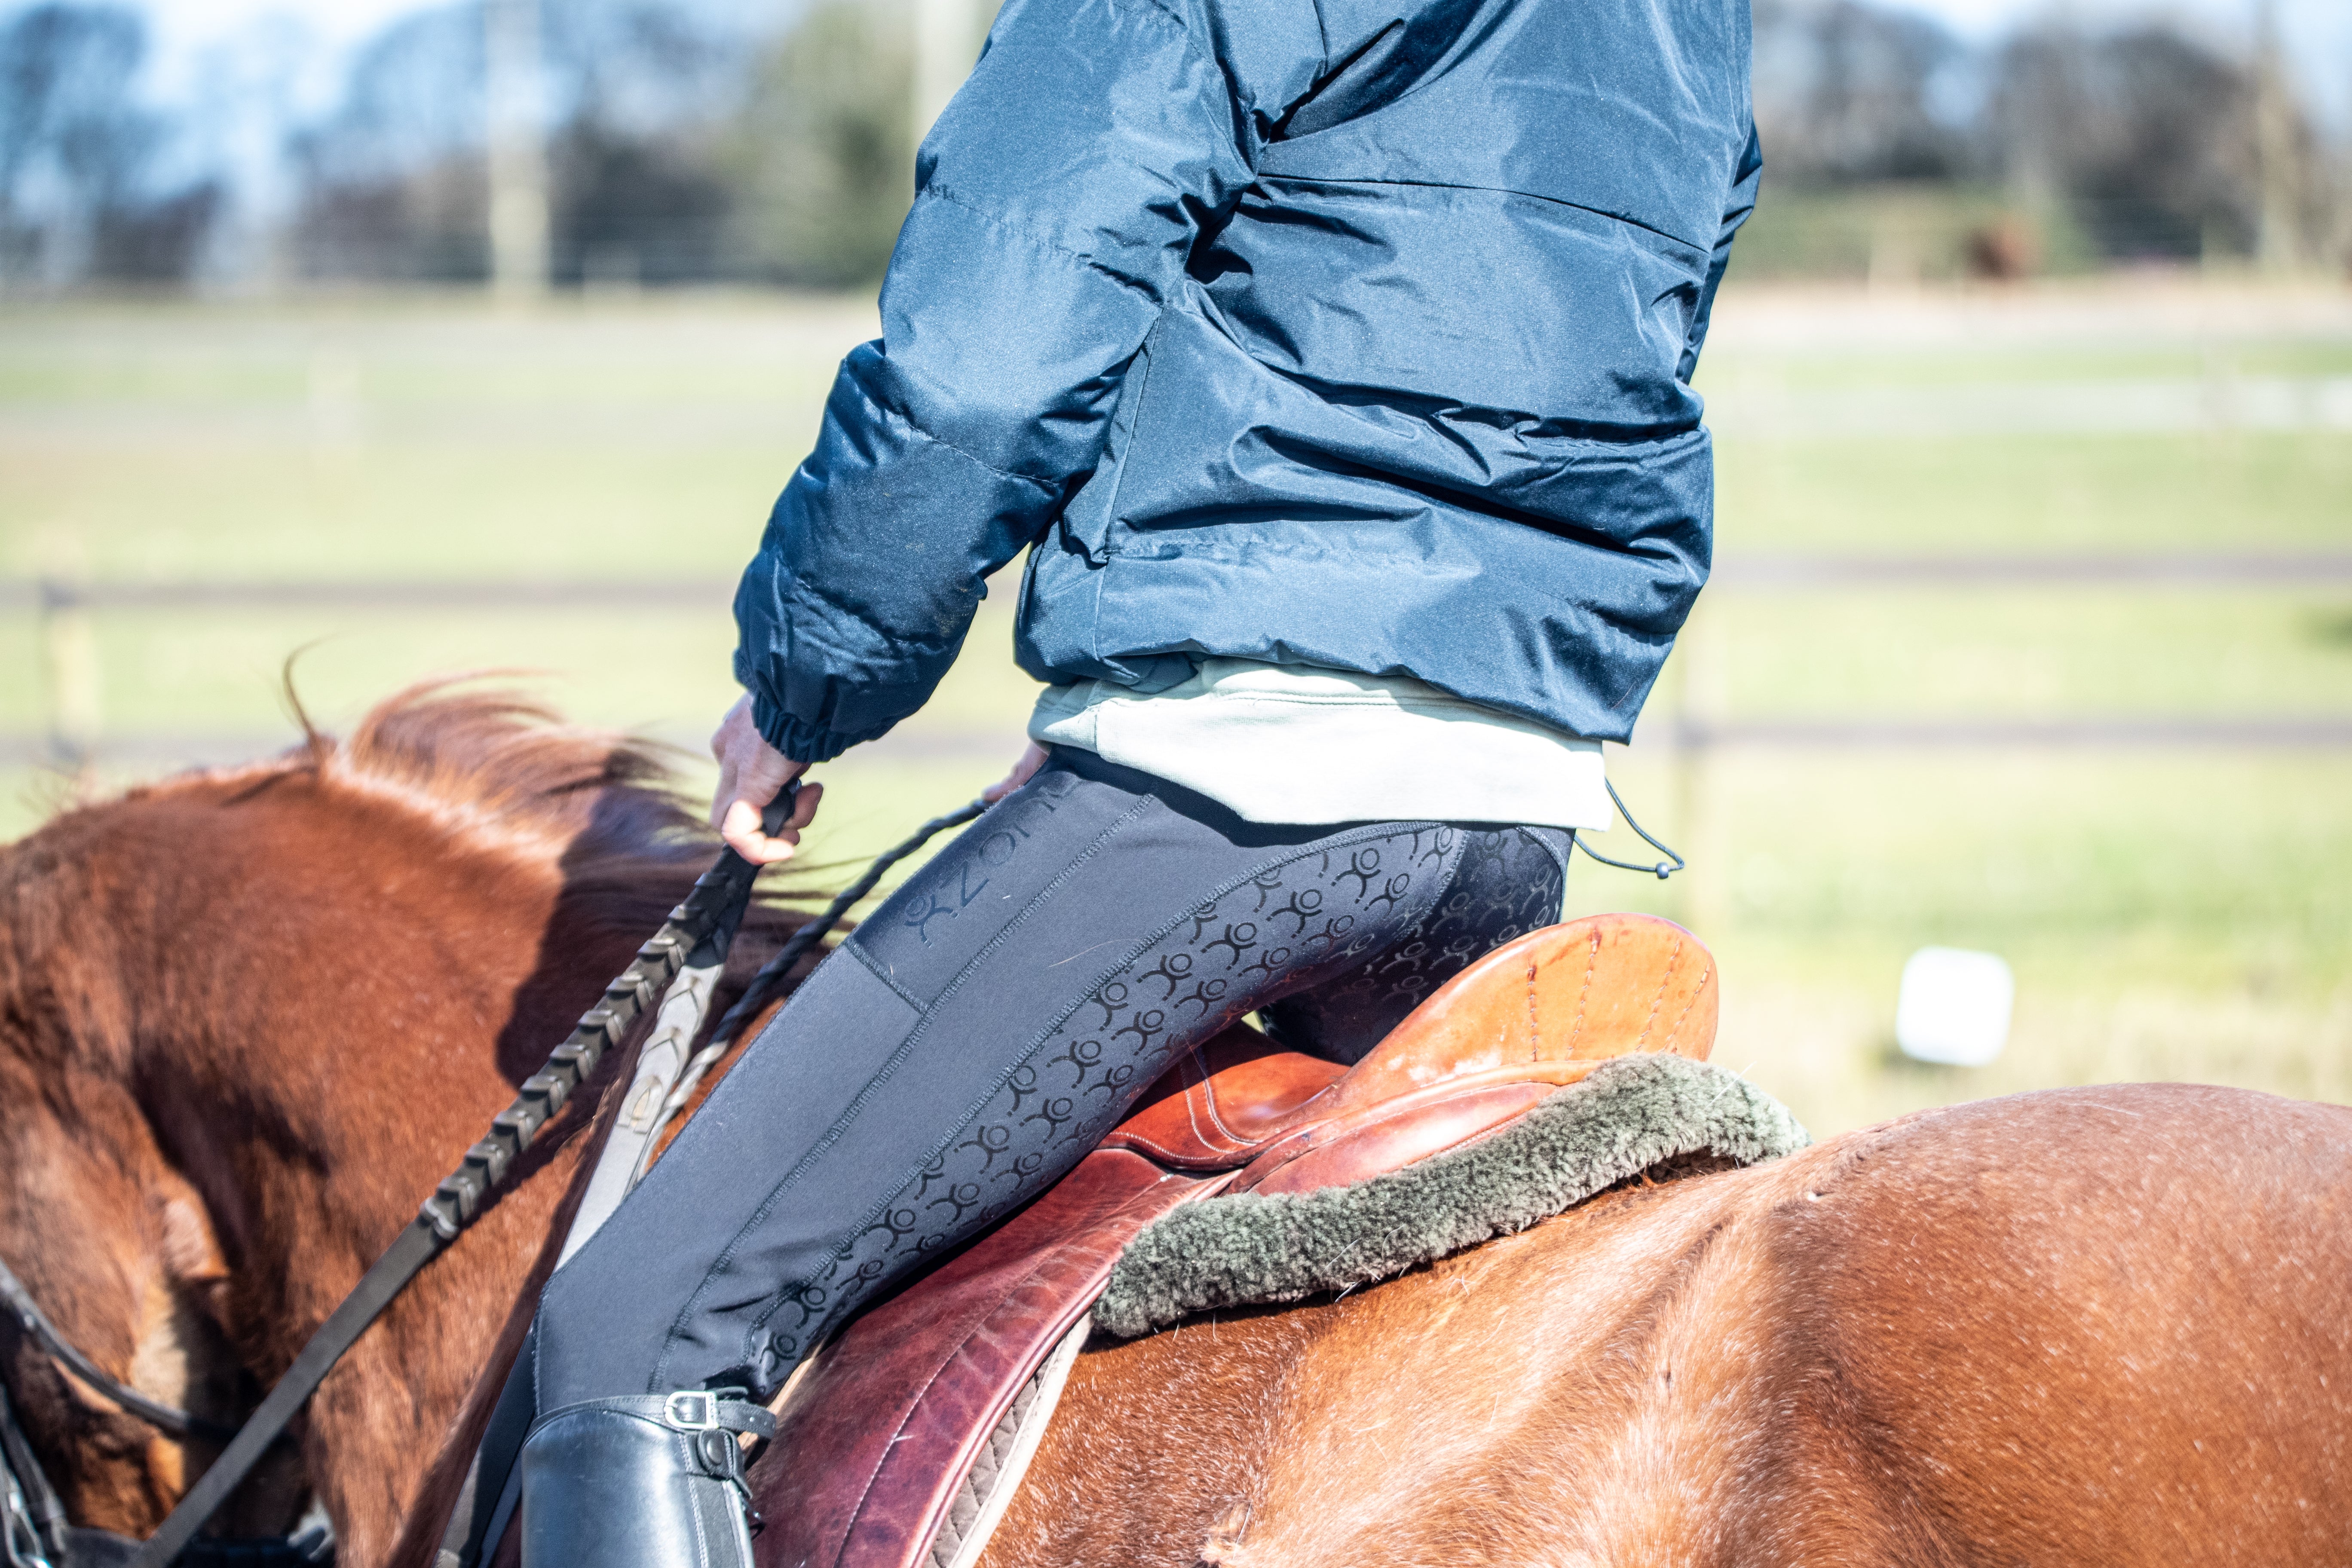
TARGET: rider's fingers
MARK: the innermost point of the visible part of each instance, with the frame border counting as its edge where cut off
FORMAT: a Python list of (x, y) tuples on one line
[(740, 826), (751, 772), (1032, 759), (803, 810)]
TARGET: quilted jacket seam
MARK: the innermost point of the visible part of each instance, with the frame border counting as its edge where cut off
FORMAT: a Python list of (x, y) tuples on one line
[(1166, 13), (920, 428), (948, 195), (805, 590), (1706, 246)]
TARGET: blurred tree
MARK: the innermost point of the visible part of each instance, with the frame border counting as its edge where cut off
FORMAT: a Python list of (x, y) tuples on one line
[(681, 149), (701, 140), (393, 185), (1891, 148), (77, 155), (822, 157), (2146, 135), (634, 209), (1848, 93), (641, 193)]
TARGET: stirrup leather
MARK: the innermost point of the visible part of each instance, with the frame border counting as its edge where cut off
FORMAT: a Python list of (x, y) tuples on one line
[(649, 1480)]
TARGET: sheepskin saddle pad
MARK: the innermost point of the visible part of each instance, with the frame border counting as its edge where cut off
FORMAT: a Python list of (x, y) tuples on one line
[(1628, 1116), (1557, 1066)]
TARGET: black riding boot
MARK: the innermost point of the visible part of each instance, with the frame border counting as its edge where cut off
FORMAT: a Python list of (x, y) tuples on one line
[(648, 1481)]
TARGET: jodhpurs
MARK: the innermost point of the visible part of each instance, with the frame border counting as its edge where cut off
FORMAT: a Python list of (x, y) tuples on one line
[(993, 1019)]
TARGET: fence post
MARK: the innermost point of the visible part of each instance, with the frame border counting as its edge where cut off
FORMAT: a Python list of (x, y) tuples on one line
[(516, 130), (69, 660)]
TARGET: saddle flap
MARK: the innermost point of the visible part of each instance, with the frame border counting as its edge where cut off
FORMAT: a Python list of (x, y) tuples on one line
[(873, 1438)]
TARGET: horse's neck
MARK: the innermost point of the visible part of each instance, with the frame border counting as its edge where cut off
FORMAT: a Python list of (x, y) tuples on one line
[(308, 1042), (394, 1426)]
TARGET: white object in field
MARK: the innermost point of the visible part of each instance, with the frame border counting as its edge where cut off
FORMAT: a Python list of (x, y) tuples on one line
[(1954, 1007)]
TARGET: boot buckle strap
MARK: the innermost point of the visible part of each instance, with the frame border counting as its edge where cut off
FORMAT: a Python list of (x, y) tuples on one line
[(691, 1410)]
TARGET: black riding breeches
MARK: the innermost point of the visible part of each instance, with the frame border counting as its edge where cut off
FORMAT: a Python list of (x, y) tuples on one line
[(993, 1020)]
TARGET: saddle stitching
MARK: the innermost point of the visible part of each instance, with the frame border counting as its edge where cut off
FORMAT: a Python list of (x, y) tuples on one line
[(1167, 1155), (1209, 1104), (1535, 1024), (1664, 980), (1591, 962), (1696, 991), (1195, 1063)]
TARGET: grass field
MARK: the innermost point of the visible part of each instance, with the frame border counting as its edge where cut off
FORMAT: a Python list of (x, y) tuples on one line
[(2170, 912)]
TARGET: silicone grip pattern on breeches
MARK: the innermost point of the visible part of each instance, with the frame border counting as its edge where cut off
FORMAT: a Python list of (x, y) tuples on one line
[(1371, 922)]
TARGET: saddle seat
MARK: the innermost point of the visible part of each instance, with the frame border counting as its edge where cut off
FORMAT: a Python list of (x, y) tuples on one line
[(900, 1443), (1529, 1017)]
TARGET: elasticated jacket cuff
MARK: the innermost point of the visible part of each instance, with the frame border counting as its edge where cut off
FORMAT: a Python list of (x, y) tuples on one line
[(803, 742)]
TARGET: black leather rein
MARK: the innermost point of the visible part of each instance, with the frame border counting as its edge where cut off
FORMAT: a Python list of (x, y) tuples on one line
[(36, 1324)]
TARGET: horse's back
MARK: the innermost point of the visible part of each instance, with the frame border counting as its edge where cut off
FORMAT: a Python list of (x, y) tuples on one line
[(2084, 1326), (2092, 1325)]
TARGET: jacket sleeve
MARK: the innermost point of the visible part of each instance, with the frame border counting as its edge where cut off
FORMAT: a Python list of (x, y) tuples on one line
[(1057, 200), (1746, 177)]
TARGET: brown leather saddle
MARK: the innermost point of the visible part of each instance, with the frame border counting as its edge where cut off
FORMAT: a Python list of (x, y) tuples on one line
[(899, 1442)]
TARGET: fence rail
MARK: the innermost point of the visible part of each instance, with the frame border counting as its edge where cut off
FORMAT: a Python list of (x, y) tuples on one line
[(1743, 572), (52, 594), (2177, 571), (77, 735)]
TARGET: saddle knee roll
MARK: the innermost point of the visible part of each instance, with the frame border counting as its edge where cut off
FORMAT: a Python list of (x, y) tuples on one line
[(643, 1481)]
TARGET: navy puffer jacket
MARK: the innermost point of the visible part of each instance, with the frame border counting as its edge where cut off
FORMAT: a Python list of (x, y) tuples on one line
[(1354, 334)]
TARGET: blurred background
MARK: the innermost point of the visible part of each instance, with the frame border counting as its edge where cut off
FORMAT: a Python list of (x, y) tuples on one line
[(422, 338)]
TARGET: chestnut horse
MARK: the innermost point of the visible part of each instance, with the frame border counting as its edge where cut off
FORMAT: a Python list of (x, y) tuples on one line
[(247, 1019)]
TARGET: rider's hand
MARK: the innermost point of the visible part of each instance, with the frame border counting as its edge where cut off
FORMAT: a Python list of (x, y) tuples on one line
[(1022, 771), (750, 771)]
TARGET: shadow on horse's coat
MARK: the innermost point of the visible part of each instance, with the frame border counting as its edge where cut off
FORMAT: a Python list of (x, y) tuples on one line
[(247, 1019)]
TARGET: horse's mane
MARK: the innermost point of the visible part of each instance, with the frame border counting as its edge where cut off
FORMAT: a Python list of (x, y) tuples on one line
[(491, 765), (488, 770)]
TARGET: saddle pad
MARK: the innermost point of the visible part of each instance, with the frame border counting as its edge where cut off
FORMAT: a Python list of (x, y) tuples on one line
[(1631, 1113), (982, 1497)]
